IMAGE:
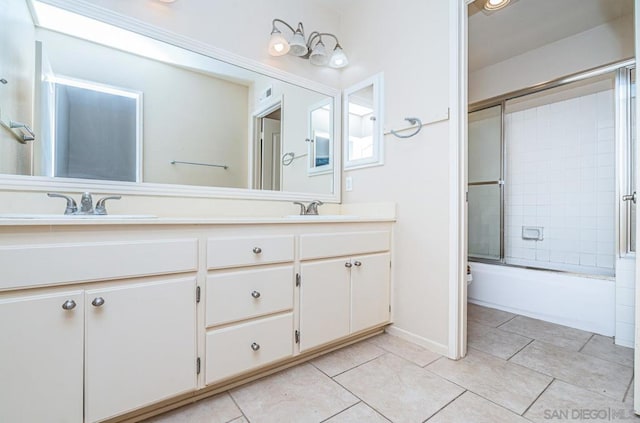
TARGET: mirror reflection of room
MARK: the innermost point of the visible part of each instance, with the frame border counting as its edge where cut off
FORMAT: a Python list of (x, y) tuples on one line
[(137, 110)]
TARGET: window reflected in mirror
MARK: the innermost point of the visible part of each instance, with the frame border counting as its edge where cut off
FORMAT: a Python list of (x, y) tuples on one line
[(96, 131)]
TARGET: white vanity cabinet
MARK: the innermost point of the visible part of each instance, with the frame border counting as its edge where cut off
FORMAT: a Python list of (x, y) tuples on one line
[(140, 345), (124, 336), (344, 295), (249, 305), (110, 322), (41, 357)]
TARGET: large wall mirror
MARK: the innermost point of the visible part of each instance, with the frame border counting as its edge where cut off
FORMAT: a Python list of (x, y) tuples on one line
[(117, 107)]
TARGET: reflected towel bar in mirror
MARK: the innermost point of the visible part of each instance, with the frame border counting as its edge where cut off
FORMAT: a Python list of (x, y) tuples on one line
[(225, 167), (288, 158), (26, 134)]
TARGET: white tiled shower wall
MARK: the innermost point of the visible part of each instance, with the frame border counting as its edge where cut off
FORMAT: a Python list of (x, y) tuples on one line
[(560, 176)]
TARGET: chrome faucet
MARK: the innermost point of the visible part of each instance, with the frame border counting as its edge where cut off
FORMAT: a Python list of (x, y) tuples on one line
[(311, 209), (72, 207), (86, 204)]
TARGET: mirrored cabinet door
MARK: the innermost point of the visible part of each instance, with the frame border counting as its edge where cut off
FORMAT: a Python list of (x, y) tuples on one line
[(362, 120)]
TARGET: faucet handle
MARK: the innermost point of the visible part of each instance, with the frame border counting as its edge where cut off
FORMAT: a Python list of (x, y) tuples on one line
[(72, 207), (312, 208), (100, 206), (303, 208)]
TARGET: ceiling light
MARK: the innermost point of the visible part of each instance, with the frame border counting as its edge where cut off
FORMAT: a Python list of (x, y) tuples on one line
[(311, 48), (495, 4)]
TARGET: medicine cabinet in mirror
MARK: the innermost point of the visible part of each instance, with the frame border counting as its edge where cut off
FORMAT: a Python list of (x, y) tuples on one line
[(362, 120), (136, 113)]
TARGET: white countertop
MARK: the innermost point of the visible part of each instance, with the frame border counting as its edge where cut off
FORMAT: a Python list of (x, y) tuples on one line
[(62, 220)]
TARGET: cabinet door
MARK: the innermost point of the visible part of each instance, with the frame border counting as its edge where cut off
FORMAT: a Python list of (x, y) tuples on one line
[(41, 346), (324, 302), (370, 276), (140, 345)]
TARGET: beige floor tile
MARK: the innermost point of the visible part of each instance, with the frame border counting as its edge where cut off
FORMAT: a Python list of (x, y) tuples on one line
[(218, 409), (488, 316), (300, 394), (494, 341), (604, 348), (550, 333), (502, 382), (398, 389), (239, 420), (347, 358), (405, 349), (591, 373), (629, 397), (471, 408), (565, 402), (359, 413)]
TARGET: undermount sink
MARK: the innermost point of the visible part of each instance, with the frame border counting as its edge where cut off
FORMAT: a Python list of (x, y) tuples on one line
[(321, 216), (75, 216)]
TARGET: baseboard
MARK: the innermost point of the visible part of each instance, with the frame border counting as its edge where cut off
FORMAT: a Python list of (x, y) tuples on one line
[(423, 342)]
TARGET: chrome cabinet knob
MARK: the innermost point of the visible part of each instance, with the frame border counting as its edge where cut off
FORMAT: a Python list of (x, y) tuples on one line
[(348, 264), (357, 263), (69, 305), (257, 250), (255, 294), (255, 346), (97, 302)]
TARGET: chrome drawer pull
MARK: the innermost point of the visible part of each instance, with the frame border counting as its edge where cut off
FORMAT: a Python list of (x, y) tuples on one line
[(255, 346), (69, 305), (357, 263), (257, 250), (348, 264), (97, 302), (255, 294)]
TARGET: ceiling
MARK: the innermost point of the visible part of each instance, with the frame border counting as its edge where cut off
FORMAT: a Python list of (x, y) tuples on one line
[(528, 24)]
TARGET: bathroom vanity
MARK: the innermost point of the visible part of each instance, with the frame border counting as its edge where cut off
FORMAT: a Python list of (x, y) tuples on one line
[(120, 319)]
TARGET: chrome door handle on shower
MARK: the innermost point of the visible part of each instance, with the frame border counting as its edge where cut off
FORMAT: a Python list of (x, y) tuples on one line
[(629, 197)]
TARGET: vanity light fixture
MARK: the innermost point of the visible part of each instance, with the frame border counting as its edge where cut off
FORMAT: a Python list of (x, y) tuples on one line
[(492, 5), (312, 48)]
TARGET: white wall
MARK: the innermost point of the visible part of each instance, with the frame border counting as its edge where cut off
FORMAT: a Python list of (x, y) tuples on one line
[(416, 170), (603, 44), (240, 26), (16, 66)]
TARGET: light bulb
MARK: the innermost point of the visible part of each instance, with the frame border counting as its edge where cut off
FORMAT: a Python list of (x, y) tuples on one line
[(318, 55), (297, 44), (278, 45), (338, 58), (495, 4)]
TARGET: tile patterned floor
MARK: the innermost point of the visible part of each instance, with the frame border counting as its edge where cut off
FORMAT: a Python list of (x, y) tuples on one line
[(517, 370)]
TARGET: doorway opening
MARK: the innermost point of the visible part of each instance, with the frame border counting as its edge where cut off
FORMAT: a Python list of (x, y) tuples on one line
[(268, 149)]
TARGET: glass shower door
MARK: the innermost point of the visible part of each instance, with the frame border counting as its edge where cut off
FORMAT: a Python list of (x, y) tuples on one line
[(486, 184)]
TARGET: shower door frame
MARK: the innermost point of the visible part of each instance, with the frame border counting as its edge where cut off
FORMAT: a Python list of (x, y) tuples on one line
[(501, 101)]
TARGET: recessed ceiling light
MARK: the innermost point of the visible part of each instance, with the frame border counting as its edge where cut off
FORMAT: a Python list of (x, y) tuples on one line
[(495, 4)]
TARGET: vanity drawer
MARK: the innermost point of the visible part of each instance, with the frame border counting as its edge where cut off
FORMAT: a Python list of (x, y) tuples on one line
[(246, 294), (314, 246), (240, 348), (233, 252)]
